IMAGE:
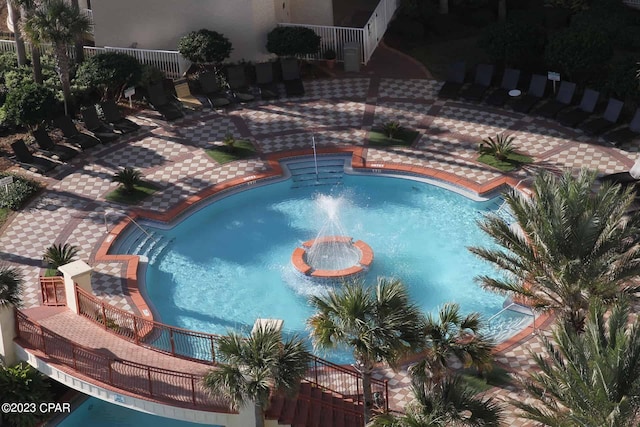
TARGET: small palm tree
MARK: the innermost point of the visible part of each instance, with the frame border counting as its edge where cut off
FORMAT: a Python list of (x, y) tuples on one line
[(500, 147), (57, 255), (129, 178), (379, 323), (10, 286), (568, 245), (391, 128), (590, 379), (252, 368), (451, 334)]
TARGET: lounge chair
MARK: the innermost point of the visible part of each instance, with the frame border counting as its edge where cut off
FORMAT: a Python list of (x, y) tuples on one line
[(113, 116), (625, 179), (625, 134), (585, 109), (610, 117), (71, 133), (50, 148), (264, 80), (28, 161), (93, 123), (510, 80), (563, 100), (293, 85), (183, 94), (537, 88), (454, 82), (237, 80), (211, 89), (475, 92), (158, 98)]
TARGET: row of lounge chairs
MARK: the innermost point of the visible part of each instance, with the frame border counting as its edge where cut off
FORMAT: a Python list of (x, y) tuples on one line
[(560, 107)]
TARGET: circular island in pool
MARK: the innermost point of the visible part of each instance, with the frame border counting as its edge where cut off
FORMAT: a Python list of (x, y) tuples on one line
[(229, 262)]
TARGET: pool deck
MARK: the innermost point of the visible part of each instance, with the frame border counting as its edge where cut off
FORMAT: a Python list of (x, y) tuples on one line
[(340, 112)]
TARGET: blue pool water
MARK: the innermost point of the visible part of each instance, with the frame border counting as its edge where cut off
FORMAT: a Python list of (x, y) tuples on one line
[(99, 413), (229, 263)]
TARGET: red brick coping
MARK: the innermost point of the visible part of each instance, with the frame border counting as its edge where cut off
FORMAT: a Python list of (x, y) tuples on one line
[(298, 259), (358, 161)]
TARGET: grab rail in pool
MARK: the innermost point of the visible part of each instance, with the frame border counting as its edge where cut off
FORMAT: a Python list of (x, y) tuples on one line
[(133, 221)]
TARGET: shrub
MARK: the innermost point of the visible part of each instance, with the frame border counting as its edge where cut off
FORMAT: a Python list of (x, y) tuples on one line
[(229, 141), (578, 53), (30, 105), (205, 47), (515, 43), (58, 255), (499, 147), (18, 193), (110, 73), (8, 62), (22, 383), (129, 178), (622, 82), (150, 76), (293, 41), (391, 128)]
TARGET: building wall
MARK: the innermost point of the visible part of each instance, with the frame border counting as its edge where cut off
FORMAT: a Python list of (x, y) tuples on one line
[(159, 24), (313, 12)]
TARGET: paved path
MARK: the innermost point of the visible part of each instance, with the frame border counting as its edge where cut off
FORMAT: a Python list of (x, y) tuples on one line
[(339, 111)]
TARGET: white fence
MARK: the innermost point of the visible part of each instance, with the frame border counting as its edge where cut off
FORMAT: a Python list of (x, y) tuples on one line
[(367, 37)]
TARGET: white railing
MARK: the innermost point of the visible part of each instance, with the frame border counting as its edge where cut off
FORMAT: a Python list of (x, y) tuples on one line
[(168, 61), (10, 46), (89, 14), (367, 37)]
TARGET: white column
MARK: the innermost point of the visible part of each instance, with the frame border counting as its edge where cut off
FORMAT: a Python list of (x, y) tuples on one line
[(75, 272), (245, 418), (7, 334)]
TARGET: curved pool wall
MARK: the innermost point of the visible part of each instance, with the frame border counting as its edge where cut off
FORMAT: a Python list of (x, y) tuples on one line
[(226, 241)]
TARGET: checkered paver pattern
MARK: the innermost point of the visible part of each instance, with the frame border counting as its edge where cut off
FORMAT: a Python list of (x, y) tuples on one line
[(406, 113), (470, 122), (204, 133), (535, 140), (413, 89), (91, 181), (352, 88), (152, 151), (304, 140), (109, 284), (583, 155)]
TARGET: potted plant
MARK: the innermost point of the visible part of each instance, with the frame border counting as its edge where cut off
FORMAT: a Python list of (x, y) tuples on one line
[(330, 58)]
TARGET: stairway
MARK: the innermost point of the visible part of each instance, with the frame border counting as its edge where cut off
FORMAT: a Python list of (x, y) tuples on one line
[(143, 243), (315, 407), (329, 170)]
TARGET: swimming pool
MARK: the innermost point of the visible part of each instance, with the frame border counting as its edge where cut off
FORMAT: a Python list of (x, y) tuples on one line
[(227, 264)]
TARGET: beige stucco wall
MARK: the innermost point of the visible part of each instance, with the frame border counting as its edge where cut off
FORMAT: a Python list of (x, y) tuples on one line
[(314, 12), (159, 24)]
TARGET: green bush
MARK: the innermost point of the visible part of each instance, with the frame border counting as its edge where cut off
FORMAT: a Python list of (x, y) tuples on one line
[(293, 41), (150, 76), (578, 53), (30, 105), (622, 82), (18, 193), (58, 255), (205, 47), (110, 73), (8, 62), (22, 383), (515, 43)]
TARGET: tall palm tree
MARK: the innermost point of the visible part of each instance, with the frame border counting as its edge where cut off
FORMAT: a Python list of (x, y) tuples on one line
[(568, 245), (451, 334), (13, 17), (10, 285), (26, 6), (379, 323), (58, 23), (254, 367), (590, 379)]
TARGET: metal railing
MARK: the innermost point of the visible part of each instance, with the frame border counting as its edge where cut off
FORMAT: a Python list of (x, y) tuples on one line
[(170, 62), (52, 290), (89, 14), (163, 385), (353, 415)]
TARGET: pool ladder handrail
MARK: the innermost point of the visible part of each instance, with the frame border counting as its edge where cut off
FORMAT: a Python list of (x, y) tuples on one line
[(533, 314), (504, 202), (106, 226)]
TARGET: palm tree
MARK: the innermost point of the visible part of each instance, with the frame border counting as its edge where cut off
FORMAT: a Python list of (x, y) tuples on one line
[(379, 323), (26, 6), (57, 255), (20, 49), (10, 286), (590, 379), (252, 368), (129, 178), (58, 23), (568, 245), (449, 335)]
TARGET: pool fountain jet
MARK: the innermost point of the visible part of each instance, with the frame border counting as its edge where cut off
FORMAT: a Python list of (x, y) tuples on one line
[(332, 256)]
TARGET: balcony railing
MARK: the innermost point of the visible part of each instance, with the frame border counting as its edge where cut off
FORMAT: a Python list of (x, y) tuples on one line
[(52, 290)]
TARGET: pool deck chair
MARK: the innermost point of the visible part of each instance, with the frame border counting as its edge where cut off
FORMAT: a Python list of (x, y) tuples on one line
[(537, 88), (625, 134), (46, 144), (586, 108), (293, 85), (79, 139), (510, 80), (93, 123), (563, 100), (183, 94), (264, 80), (482, 82), (211, 89), (237, 79), (454, 82), (113, 116), (158, 98), (608, 120), (28, 161)]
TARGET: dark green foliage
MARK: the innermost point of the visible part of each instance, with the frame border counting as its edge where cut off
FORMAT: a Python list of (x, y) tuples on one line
[(499, 147), (22, 383), (578, 54), (57, 255), (622, 82), (629, 38), (8, 62), (10, 290), (110, 73), (30, 105), (205, 47), (391, 128), (20, 76), (514, 43), (18, 192), (150, 75), (129, 178), (293, 41)]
